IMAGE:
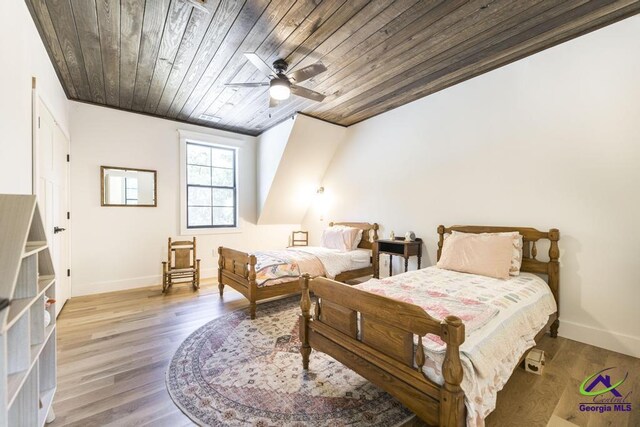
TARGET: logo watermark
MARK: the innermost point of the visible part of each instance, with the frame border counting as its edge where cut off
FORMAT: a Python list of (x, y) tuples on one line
[(605, 394)]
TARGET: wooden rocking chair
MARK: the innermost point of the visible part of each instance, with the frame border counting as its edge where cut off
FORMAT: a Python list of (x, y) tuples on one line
[(182, 265)]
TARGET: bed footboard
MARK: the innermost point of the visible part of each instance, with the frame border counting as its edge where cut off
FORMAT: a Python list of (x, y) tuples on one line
[(238, 270), (374, 336)]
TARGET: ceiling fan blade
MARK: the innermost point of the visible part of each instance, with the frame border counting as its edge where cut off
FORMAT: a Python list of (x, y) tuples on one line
[(259, 64), (307, 93), (307, 72), (261, 84), (273, 102)]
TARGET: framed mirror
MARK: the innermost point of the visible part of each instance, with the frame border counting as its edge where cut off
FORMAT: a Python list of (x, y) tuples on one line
[(128, 187)]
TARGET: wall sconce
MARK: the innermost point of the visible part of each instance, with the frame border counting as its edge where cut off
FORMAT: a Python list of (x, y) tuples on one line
[(321, 202)]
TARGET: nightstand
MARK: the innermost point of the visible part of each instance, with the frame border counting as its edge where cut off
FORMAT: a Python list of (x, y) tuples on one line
[(397, 247)]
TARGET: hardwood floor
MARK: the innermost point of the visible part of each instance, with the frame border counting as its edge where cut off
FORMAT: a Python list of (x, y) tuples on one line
[(113, 350)]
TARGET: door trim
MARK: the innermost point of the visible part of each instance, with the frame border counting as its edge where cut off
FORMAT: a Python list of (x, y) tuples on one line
[(35, 157)]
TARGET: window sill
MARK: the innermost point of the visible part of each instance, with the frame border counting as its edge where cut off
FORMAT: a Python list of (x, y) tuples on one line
[(211, 231)]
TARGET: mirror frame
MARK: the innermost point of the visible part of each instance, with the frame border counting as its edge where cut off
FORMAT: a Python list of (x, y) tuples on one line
[(155, 187)]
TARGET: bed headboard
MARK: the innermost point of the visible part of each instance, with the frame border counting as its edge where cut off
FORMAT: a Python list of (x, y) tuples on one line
[(369, 232), (529, 251)]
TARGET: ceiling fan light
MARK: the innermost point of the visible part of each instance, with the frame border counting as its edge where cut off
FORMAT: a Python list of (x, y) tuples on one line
[(279, 89)]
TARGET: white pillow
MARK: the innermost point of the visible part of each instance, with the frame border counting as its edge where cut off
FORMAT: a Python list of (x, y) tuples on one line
[(341, 238), (516, 257), (357, 240)]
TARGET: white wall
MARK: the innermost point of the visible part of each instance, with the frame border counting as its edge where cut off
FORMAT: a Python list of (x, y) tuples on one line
[(549, 141), (309, 148), (23, 57), (118, 248), (271, 145)]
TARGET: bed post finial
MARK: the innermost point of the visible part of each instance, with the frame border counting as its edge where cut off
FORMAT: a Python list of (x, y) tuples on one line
[(220, 268), (305, 318), (452, 409), (554, 275), (441, 230)]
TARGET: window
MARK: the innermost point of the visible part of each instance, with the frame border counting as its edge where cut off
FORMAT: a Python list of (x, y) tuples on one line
[(211, 194), (131, 191)]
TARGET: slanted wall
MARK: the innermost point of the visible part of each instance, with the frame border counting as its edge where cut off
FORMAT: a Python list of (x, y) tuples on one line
[(292, 159)]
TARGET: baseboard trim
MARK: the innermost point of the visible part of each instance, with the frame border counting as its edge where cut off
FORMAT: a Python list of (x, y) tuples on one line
[(621, 343), (128, 284)]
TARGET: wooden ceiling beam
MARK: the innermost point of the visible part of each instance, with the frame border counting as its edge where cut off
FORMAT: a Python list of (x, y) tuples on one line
[(167, 59), (175, 29), (109, 26), (155, 16), (297, 17), (130, 37), (42, 19), (86, 18), (224, 18), (243, 36), (375, 55), (67, 35), (312, 49), (547, 32)]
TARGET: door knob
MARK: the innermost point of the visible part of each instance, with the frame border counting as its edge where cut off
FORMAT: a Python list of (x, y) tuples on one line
[(56, 230)]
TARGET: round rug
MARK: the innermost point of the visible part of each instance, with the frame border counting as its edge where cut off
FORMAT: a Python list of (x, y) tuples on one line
[(234, 371)]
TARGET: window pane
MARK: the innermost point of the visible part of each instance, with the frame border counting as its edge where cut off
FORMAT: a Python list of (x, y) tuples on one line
[(198, 155), (199, 196), (222, 158), (222, 177), (199, 216), (223, 216), (131, 202), (132, 193), (198, 175), (222, 197)]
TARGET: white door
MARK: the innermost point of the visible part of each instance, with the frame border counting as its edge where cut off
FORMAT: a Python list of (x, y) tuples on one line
[(52, 177)]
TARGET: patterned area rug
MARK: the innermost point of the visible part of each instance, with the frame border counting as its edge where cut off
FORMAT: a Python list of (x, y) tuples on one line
[(234, 371)]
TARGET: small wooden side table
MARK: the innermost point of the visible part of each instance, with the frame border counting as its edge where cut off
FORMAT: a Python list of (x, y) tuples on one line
[(398, 247)]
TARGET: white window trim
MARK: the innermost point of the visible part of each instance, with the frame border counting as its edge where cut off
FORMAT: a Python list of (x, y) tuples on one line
[(215, 140)]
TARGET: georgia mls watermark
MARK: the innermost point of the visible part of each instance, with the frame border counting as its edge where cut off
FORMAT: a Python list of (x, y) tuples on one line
[(606, 394)]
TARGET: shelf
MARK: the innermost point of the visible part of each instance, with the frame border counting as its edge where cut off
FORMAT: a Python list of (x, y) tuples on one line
[(46, 397), (36, 349), (15, 381), (44, 282), (27, 347), (17, 308), (33, 248)]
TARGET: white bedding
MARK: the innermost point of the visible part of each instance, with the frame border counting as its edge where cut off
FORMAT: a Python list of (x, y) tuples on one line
[(335, 261), (505, 316)]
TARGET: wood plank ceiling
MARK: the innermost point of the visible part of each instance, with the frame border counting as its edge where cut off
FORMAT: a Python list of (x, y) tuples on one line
[(169, 59)]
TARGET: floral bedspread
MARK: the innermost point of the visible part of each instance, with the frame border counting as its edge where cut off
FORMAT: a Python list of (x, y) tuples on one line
[(275, 267), (501, 319)]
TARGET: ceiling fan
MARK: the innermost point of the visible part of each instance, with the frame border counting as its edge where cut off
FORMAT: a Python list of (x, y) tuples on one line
[(282, 85)]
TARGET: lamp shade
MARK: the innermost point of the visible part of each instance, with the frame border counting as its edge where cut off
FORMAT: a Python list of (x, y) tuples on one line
[(279, 89)]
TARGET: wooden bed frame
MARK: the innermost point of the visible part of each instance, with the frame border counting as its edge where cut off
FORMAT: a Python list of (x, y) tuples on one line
[(380, 347), (238, 270)]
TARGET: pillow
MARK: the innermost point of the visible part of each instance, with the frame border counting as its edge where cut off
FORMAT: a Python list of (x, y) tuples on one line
[(340, 237), (516, 258), (484, 254), (357, 240)]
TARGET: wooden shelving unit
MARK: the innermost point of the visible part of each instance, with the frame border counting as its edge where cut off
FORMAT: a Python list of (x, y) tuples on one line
[(27, 347)]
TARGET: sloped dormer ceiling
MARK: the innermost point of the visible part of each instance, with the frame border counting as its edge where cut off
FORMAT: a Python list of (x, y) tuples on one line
[(169, 59), (292, 160)]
